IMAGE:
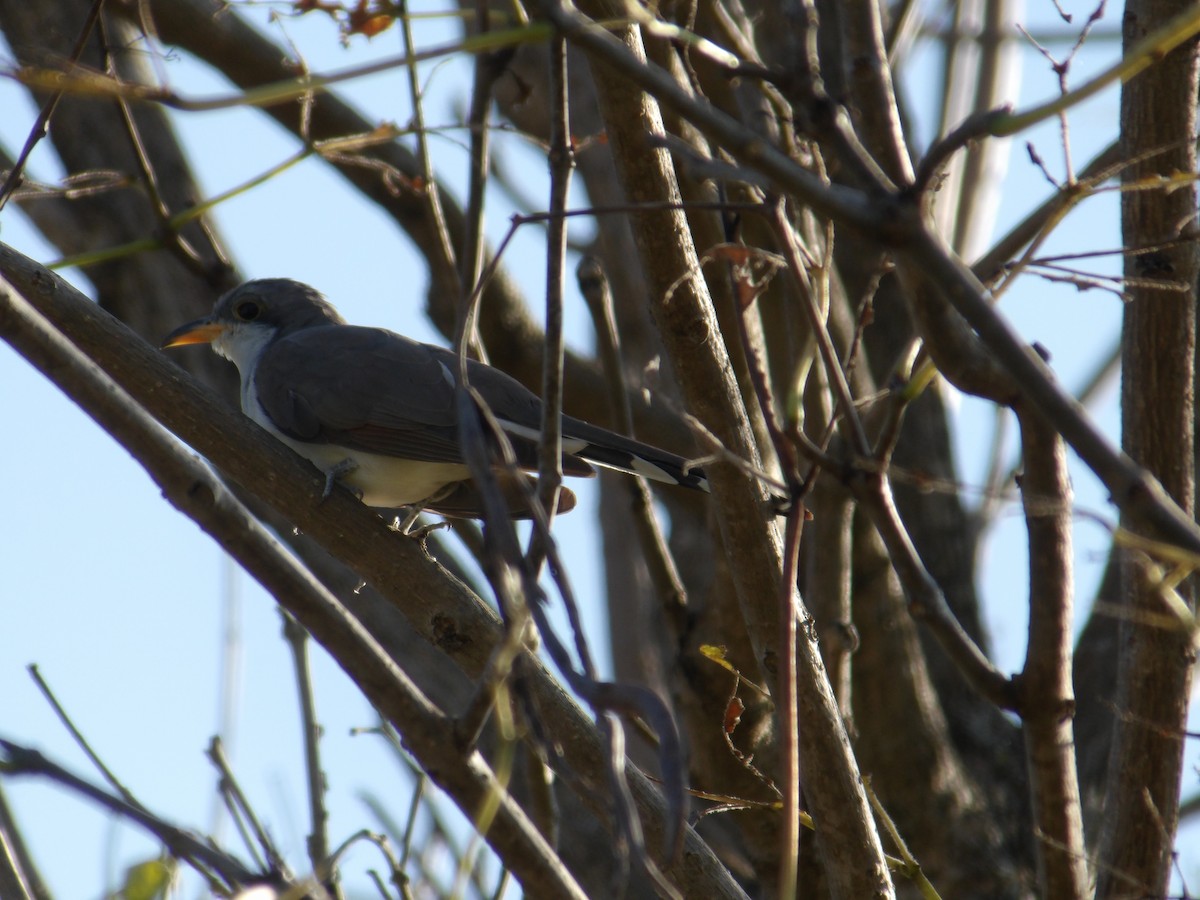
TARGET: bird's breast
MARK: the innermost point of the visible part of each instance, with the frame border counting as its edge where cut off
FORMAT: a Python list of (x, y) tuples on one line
[(383, 481)]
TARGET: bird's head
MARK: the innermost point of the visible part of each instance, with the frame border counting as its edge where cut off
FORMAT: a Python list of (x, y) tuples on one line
[(251, 316)]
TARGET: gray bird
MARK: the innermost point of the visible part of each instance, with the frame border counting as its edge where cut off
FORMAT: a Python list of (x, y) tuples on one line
[(376, 411)]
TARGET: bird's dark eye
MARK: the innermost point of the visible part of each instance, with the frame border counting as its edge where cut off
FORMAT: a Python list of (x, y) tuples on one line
[(247, 311)]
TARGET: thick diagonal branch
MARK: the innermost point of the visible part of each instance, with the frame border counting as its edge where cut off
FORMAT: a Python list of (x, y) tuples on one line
[(440, 608)]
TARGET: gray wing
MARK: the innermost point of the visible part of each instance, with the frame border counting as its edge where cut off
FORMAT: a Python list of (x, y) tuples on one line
[(363, 388), (373, 390)]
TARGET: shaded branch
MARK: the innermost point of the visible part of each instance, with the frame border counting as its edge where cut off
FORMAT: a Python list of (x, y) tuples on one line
[(1131, 488), (926, 602), (869, 78), (1156, 665), (1047, 704), (683, 311), (17, 760), (19, 877)]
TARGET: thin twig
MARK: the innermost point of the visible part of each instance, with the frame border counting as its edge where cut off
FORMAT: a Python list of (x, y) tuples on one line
[(216, 753), (443, 265), (471, 258), (83, 743), (318, 837), (925, 599), (787, 706), (80, 81), (19, 876), (410, 824), (562, 163), (906, 864), (208, 861), (664, 575), (381, 843), (1135, 60), (149, 180), (41, 127), (820, 330)]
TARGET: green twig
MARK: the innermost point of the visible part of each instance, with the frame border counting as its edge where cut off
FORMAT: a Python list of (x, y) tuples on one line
[(180, 219), (907, 864), (85, 82)]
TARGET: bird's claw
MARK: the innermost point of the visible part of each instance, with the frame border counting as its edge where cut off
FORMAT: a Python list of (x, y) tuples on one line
[(420, 534)]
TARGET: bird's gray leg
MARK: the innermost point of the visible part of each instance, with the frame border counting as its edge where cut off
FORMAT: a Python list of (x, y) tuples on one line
[(410, 518), (404, 526), (341, 470)]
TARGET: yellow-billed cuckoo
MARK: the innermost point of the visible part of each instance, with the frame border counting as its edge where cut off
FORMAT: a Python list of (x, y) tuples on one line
[(376, 410)]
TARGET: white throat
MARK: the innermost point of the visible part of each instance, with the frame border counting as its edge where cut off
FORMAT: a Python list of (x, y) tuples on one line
[(242, 345)]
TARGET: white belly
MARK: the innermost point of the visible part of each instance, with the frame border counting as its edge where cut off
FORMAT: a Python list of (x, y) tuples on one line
[(382, 480)]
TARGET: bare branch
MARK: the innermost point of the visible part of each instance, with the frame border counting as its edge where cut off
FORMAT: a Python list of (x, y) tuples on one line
[(683, 311), (19, 877), (1046, 701), (925, 598), (41, 128), (18, 760), (870, 80), (441, 609), (189, 484), (1156, 665), (318, 783), (1133, 490)]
